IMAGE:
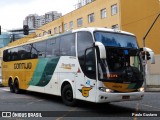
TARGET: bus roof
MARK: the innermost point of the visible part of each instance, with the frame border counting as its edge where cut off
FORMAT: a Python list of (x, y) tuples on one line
[(92, 29)]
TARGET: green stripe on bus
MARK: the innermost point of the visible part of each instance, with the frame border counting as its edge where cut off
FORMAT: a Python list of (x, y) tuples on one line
[(44, 71)]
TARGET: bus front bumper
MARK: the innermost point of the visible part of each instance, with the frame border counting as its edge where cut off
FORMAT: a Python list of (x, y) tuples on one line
[(117, 97)]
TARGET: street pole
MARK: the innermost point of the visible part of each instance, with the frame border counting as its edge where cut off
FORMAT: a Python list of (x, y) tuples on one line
[(144, 45)]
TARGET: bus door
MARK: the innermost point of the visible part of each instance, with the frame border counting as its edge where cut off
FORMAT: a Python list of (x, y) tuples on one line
[(86, 77)]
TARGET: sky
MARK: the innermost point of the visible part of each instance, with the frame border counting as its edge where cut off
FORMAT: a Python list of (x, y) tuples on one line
[(13, 12)]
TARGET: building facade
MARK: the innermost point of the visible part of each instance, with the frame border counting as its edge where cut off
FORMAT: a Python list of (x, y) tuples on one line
[(135, 16)]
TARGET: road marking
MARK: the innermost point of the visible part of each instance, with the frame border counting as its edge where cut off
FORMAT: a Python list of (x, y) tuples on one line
[(137, 108), (73, 109), (35, 102), (150, 106)]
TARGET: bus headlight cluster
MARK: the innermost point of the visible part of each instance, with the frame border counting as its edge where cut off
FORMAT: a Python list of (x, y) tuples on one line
[(103, 89), (141, 89)]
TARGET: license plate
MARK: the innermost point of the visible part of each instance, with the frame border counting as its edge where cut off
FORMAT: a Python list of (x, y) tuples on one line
[(126, 97)]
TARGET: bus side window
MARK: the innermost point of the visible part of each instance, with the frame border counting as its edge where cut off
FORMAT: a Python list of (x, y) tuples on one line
[(52, 47), (21, 53), (6, 55), (14, 52), (67, 45), (9, 55), (40, 48)]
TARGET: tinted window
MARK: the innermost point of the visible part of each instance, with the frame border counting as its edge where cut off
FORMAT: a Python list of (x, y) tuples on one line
[(53, 47), (67, 45), (84, 41), (14, 54), (48, 48), (40, 48), (6, 55), (24, 52), (86, 56)]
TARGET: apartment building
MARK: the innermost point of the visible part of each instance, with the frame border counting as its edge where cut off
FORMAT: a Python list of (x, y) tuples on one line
[(36, 21), (32, 20), (135, 16)]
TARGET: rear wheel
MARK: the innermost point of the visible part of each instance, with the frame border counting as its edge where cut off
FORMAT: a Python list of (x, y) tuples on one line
[(67, 95), (16, 87), (11, 86)]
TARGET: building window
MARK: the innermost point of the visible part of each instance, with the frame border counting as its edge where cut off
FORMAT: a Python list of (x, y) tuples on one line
[(55, 30), (116, 27), (79, 22), (91, 18), (44, 33), (65, 27), (103, 13), (49, 31), (71, 25), (114, 9)]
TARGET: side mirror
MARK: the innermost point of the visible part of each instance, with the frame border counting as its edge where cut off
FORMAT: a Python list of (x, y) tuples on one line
[(102, 49), (149, 54)]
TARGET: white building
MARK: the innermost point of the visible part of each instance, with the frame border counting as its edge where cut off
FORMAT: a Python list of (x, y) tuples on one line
[(82, 3), (36, 21)]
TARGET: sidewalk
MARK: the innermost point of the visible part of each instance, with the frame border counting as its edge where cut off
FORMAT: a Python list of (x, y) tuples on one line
[(153, 89)]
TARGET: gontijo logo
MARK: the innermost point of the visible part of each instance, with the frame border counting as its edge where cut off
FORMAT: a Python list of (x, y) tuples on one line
[(23, 65), (67, 66)]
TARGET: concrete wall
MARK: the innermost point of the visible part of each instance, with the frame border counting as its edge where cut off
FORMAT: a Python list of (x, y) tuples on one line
[(153, 75)]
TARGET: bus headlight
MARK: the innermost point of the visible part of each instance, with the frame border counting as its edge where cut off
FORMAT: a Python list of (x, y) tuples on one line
[(103, 89), (141, 89)]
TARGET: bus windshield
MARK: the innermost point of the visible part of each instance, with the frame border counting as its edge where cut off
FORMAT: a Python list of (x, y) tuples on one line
[(116, 40), (123, 63)]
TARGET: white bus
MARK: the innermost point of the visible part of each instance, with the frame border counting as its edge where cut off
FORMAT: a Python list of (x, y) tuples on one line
[(91, 64)]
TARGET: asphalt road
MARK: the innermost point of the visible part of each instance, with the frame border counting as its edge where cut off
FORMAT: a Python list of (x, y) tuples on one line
[(30, 104)]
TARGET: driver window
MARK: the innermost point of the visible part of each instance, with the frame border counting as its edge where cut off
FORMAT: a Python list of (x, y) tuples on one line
[(85, 41)]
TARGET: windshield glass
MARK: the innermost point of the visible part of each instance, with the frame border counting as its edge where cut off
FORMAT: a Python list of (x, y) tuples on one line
[(123, 63), (116, 40)]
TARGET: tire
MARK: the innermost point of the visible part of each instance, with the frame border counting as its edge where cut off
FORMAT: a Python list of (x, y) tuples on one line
[(16, 87), (67, 95), (11, 86)]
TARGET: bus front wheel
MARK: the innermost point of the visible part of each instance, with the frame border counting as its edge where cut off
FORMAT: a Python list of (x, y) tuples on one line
[(67, 95)]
